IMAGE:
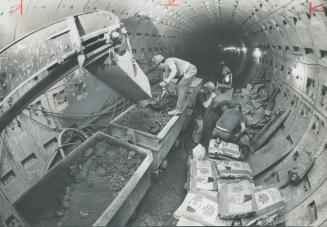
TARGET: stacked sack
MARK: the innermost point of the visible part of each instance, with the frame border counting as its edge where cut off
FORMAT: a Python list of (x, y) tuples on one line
[(223, 150), (239, 198), (200, 206), (235, 189), (222, 193)]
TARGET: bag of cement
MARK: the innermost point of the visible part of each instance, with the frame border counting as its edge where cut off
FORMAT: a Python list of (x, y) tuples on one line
[(222, 181), (203, 175), (221, 157), (269, 203), (233, 169), (269, 219), (235, 200), (213, 194), (200, 208), (223, 149), (187, 222), (199, 152)]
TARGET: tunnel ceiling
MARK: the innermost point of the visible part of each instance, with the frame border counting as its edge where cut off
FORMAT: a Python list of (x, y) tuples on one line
[(192, 28), (233, 21)]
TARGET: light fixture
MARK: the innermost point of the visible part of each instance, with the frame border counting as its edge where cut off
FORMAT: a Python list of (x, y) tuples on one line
[(229, 48), (257, 53)]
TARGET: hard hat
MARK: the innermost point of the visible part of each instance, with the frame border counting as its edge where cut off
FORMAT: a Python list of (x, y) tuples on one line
[(156, 60), (210, 85)]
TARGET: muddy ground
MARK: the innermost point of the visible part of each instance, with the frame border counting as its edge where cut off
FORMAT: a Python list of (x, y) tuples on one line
[(94, 184), (167, 191), (152, 118)]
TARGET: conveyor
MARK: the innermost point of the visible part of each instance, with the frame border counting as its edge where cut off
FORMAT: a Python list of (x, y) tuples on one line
[(88, 41)]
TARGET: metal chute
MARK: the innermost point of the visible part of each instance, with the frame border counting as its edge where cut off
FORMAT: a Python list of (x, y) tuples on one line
[(31, 65)]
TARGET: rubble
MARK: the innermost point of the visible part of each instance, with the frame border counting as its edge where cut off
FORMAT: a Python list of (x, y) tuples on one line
[(254, 104), (147, 120), (95, 183), (256, 117), (302, 163), (153, 118), (89, 152)]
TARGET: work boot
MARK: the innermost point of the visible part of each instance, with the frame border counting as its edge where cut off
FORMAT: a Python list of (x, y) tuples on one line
[(175, 112)]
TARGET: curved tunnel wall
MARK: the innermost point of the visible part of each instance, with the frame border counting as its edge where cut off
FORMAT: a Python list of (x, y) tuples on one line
[(294, 58)]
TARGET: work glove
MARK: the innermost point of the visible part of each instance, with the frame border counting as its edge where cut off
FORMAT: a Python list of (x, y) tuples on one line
[(213, 95), (163, 84)]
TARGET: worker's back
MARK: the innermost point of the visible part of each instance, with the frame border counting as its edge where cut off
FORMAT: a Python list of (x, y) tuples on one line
[(230, 120), (181, 65)]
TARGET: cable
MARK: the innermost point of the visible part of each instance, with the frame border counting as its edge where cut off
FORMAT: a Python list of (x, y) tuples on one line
[(112, 116), (71, 115), (61, 134), (61, 145), (54, 129), (54, 155), (104, 101)]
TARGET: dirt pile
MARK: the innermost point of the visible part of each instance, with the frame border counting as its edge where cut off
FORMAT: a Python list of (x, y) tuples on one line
[(94, 185), (152, 118), (166, 192)]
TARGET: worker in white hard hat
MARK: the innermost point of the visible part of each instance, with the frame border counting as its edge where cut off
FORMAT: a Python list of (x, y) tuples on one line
[(172, 68), (202, 101)]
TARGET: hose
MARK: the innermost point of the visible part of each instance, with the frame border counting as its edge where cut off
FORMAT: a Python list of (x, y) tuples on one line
[(61, 145), (61, 134), (72, 116)]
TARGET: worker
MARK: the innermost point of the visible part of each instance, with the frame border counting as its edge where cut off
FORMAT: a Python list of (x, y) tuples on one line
[(183, 70), (227, 76), (230, 125), (212, 114), (202, 101)]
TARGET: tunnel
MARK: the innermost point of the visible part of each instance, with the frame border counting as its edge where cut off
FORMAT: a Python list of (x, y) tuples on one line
[(281, 43)]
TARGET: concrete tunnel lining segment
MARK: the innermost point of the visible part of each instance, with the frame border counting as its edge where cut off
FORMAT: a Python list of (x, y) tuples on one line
[(292, 42)]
